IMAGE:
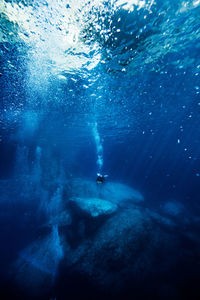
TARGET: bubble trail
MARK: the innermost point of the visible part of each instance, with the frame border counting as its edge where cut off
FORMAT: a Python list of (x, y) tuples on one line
[(99, 147)]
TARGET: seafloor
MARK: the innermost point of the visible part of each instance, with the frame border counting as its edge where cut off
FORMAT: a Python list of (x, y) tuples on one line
[(95, 241)]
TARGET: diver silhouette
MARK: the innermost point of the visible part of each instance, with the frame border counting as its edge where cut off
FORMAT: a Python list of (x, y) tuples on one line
[(100, 178)]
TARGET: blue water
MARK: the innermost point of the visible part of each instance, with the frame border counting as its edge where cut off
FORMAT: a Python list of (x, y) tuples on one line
[(110, 87)]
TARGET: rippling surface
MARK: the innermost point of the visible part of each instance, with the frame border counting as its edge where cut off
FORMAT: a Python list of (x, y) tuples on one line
[(63, 44)]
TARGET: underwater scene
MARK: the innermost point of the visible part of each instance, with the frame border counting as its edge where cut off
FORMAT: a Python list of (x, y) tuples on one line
[(99, 149)]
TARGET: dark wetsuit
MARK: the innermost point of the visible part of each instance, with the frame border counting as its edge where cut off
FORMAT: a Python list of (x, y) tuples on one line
[(100, 179)]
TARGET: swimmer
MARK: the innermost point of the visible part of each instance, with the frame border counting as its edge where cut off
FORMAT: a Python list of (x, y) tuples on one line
[(100, 178)]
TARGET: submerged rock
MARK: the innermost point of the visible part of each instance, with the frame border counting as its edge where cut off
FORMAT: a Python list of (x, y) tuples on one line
[(118, 192), (125, 250), (95, 206), (112, 191), (37, 265), (173, 208), (106, 244), (62, 219)]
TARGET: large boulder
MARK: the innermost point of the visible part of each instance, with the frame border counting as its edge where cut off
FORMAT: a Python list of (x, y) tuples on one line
[(38, 263), (118, 192), (130, 247), (172, 208), (95, 206), (112, 191), (102, 238), (61, 219)]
